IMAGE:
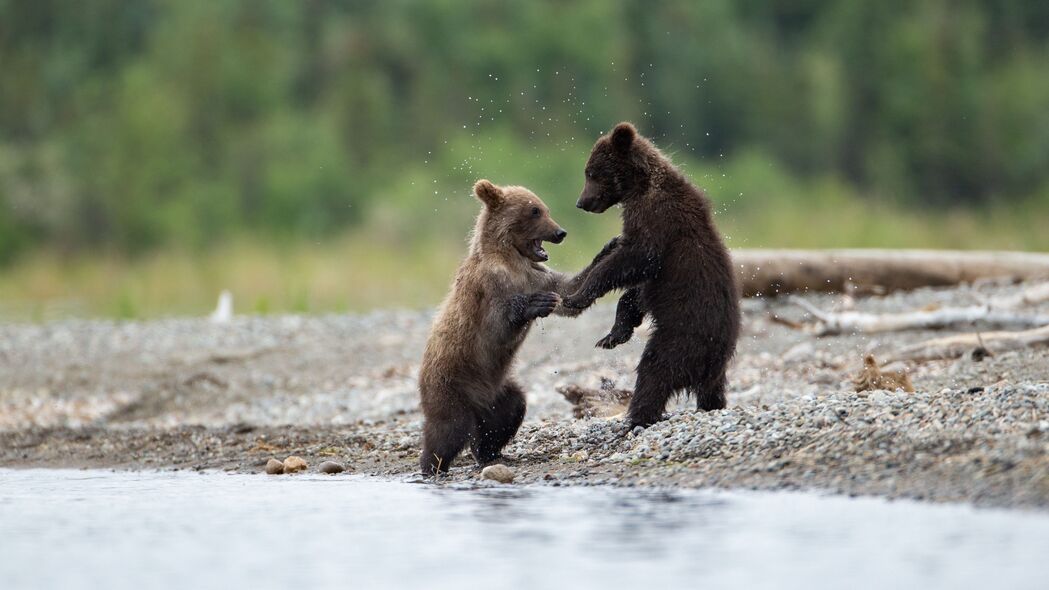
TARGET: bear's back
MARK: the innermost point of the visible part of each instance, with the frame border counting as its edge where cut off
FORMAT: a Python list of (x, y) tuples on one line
[(695, 288)]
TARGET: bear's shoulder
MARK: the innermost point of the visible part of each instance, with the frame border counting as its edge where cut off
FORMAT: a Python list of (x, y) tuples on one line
[(488, 277)]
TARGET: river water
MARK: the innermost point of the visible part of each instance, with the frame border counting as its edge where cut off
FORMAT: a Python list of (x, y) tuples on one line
[(99, 529)]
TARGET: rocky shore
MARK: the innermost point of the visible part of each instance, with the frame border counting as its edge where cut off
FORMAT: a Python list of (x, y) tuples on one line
[(189, 394)]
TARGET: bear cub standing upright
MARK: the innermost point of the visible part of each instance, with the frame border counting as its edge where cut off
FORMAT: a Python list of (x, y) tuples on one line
[(500, 288), (673, 264)]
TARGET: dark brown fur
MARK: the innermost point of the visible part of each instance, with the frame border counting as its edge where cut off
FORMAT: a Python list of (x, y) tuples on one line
[(673, 264), (500, 288)]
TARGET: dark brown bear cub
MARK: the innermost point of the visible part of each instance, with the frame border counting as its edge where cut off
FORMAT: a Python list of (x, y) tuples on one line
[(500, 288), (673, 264)]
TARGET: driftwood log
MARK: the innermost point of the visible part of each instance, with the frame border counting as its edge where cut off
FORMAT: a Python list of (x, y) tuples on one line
[(990, 343), (773, 272), (1000, 311)]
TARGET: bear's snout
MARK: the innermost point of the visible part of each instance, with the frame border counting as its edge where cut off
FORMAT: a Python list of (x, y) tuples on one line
[(559, 236)]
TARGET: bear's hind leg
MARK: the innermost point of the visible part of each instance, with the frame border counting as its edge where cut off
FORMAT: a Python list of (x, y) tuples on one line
[(443, 438), (653, 387), (497, 426), (710, 395)]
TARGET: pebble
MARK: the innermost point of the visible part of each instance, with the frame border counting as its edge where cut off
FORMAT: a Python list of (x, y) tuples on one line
[(274, 467), (500, 473), (294, 464), (331, 467)]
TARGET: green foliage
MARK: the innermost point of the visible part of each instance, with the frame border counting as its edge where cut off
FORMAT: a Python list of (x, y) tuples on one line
[(131, 125)]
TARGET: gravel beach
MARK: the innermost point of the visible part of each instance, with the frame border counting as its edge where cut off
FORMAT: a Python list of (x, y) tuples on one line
[(191, 394)]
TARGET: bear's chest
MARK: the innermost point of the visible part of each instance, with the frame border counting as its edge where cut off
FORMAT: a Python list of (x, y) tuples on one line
[(522, 281)]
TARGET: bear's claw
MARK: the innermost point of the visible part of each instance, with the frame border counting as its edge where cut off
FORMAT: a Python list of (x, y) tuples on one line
[(612, 340)]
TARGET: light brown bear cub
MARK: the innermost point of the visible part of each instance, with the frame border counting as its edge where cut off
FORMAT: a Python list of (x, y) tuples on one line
[(467, 393)]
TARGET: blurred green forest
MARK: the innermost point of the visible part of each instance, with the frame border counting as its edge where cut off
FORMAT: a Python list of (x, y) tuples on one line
[(318, 154)]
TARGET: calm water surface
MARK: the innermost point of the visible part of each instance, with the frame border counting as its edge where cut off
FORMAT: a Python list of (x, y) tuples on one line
[(97, 529)]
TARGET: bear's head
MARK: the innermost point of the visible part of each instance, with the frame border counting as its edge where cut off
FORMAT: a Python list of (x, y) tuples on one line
[(617, 170), (513, 216)]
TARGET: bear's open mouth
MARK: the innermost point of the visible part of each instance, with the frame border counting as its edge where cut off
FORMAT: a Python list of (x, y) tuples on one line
[(538, 251)]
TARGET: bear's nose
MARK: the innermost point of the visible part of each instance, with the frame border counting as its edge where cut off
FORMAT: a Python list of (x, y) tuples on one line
[(579, 204), (559, 236)]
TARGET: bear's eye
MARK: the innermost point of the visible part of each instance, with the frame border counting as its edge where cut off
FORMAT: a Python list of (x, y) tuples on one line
[(535, 211)]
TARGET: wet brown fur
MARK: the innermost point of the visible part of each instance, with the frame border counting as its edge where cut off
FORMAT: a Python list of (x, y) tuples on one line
[(672, 263), (467, 393)]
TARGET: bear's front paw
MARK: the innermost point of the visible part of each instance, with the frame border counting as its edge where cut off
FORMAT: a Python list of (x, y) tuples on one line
[(577, 301), (542, 304), (614, 339)]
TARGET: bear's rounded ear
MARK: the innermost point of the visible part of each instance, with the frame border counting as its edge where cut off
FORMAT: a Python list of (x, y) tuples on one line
[(488, 193), (623, 137)]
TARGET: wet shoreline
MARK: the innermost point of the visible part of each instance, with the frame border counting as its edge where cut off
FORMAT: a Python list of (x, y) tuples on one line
[(875, 448), (186, 394)]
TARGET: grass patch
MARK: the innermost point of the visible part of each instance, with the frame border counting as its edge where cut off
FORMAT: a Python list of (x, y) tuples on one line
[(378, 269)]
